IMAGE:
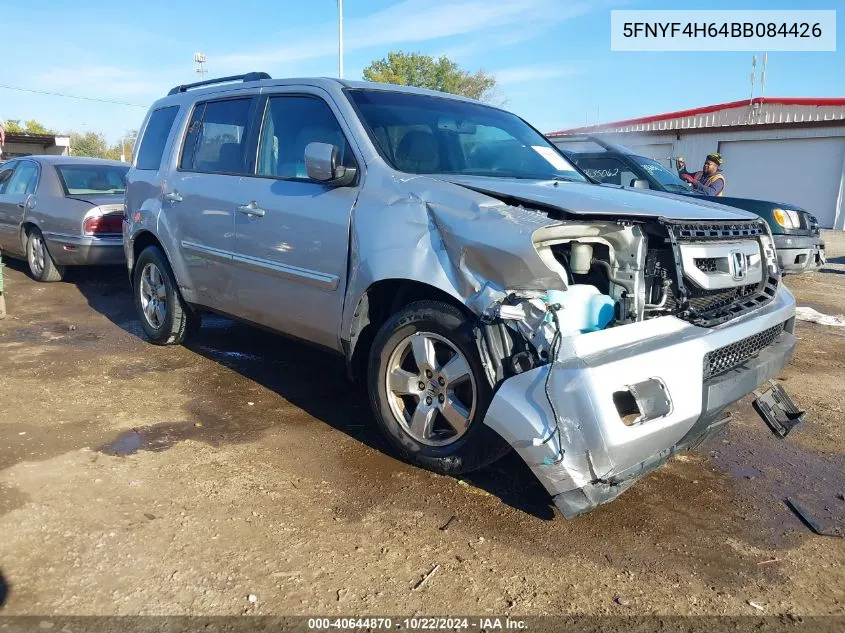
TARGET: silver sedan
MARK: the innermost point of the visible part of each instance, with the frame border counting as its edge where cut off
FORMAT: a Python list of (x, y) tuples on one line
[(58, 211)]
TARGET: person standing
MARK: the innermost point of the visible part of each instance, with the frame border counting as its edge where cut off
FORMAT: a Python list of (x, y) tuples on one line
[(2, 137), (710, 181)]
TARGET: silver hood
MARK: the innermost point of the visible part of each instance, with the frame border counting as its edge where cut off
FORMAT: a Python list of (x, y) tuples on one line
[(599, 200)]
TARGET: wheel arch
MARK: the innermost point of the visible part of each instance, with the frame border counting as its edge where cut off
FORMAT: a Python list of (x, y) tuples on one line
[(140, 241), (379, 302), (26, 226)]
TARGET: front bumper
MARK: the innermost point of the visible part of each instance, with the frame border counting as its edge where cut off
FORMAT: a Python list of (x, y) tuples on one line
[(592, 455), (78, 250), (799, 254)]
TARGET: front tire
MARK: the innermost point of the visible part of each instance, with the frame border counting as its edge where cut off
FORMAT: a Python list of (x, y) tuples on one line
[(165, 317), (429, 391), (41, 264)]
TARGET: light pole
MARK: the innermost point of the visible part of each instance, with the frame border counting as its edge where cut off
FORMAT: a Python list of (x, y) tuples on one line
[(340, 39), (200, 59)]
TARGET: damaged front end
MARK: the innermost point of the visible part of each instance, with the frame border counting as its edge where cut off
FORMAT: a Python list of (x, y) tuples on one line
[(657, 328), (612, 341)]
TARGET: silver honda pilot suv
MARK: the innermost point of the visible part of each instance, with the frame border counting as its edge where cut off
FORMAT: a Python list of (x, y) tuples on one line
[(489, 295)]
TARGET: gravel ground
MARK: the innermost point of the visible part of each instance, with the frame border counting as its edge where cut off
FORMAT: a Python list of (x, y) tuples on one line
[(143, 480)]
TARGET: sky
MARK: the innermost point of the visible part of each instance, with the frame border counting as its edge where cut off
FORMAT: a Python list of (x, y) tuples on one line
[(552, 58)]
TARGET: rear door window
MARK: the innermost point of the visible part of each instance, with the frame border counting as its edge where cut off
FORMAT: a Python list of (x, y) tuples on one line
[(24, 180), (216, 139), (152, 145), (6, 171)]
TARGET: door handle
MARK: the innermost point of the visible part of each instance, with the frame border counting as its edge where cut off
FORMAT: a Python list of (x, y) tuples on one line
[(252, 209), (173, 196), (21, 205)]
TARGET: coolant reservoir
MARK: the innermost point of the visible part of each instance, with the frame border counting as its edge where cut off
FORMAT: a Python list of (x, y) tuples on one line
[(585, 309)]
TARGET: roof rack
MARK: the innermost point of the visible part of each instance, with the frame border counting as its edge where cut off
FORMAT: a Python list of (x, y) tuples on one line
[(220, 80)]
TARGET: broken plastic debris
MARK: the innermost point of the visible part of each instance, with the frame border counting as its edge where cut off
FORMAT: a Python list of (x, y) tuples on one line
[(777, 410), (512, 313), (808, 518), (755, 605)]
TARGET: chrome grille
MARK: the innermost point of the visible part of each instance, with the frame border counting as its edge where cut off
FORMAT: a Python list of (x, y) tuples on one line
[(730, 356), (708, 300), (701, 231), (708, 307)]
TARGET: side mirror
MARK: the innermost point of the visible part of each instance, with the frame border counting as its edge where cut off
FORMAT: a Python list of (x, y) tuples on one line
[(639, 183), (321, 165)]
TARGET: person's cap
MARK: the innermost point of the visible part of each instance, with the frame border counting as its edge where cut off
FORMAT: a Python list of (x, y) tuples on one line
[(716, 157)]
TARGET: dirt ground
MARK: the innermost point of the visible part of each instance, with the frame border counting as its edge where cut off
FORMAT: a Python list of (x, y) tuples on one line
[(136, 479)]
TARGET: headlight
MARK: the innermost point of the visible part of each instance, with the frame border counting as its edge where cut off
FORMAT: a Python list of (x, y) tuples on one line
[(787, 219)]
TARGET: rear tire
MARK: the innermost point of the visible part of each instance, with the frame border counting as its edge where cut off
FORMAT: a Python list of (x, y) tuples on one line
[(41, 264), (429, 391), (165, 317)]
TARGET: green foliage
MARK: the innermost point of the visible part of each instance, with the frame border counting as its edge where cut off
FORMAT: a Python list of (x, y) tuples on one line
[(424, 71), (13, 126), (34, 127), (91, 144), (94, 144)]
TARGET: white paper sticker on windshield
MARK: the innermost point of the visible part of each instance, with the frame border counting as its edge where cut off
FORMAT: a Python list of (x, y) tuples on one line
[(554, 159)]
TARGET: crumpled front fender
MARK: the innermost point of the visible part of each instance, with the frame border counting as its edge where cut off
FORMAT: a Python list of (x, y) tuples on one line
[(443, 235)]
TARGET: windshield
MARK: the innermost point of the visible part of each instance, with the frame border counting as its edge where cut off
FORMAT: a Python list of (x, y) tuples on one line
[(421, 134), (667, 179), (93, 179)]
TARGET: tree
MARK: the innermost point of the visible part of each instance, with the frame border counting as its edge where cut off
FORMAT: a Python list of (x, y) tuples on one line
[(123, 147), (91, 144), (424, 71), (34, 127)]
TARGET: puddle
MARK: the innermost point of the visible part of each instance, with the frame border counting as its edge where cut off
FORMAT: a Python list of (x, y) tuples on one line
[(231, 358), (770, 470), (11, 498), (742, 471), (155, 438)]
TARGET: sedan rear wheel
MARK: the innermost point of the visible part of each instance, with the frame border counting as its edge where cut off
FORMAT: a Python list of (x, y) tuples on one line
[(41, 263)]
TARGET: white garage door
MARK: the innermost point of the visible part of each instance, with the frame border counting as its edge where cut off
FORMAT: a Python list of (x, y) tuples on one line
[(806, 172)]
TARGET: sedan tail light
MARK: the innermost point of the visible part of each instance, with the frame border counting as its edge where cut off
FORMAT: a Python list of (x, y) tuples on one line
[(101, 224)]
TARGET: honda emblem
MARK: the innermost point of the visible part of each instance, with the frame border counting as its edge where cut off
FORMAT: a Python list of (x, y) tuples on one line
[(739, 265)]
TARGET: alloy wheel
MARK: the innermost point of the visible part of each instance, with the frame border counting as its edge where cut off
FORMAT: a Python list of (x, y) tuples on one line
[(153, 296), (431, 389)]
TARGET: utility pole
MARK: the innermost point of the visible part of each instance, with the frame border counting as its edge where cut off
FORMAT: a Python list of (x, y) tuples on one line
[(340, 39)]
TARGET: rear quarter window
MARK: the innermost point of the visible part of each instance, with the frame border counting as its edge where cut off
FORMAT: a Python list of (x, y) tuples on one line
[(151, 150)]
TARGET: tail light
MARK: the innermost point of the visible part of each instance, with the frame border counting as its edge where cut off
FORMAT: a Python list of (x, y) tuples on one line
[(102, 224)]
